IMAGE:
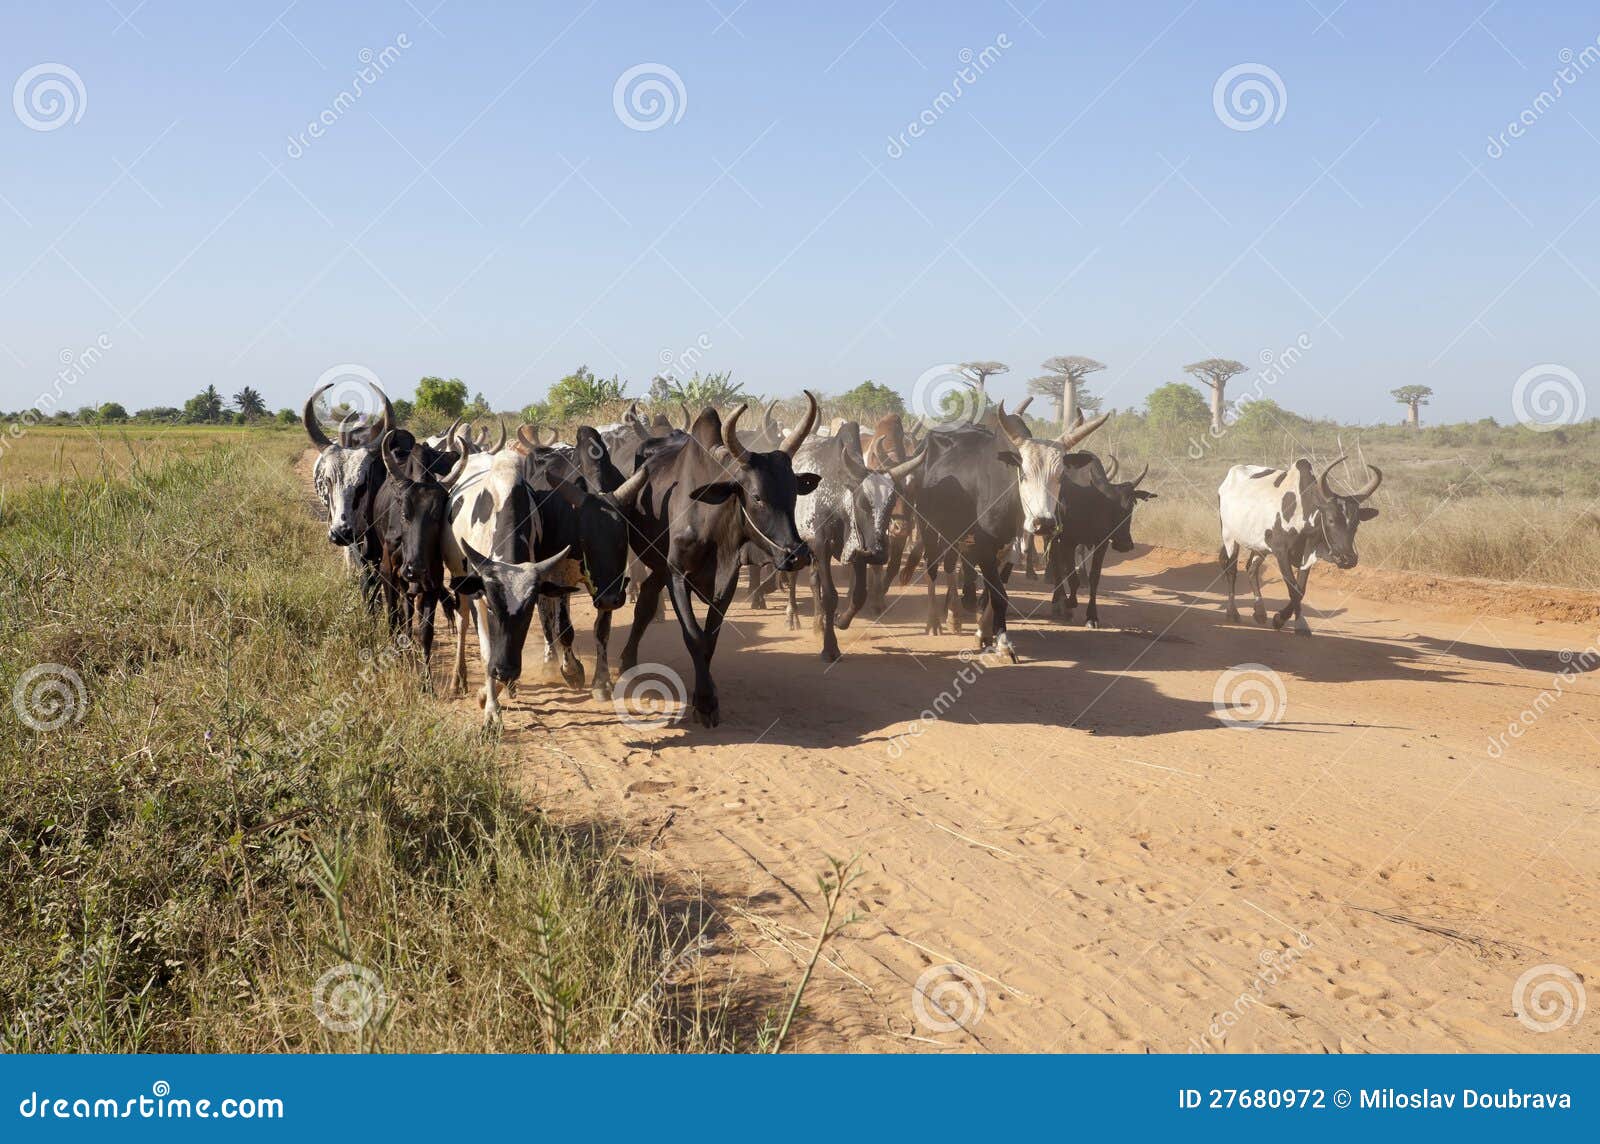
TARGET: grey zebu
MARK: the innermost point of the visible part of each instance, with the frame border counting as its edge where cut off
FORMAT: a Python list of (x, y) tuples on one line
[(846, 519)]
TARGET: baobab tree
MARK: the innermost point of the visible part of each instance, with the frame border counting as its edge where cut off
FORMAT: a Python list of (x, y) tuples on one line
[(977, 374), (1064, 384), (1215, 372), (1413, 397)]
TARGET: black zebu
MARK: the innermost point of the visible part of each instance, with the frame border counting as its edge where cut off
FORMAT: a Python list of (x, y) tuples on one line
[(969, 515), (692, 504), (410, 517)]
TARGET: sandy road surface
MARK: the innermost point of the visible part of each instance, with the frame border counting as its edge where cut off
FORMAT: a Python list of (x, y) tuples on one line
[(1115, 866)]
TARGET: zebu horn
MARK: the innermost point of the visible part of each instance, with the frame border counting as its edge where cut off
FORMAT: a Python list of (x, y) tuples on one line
[(1322, 481), (1143, 473), (1111, 470), (502, 442), (628, 491), (905, 468), (314, 429), (688, 418), (396, 467), (1004, 419), (528, 435), (794, 440), (459, 467), (1372, 484), (730, 436), (1068, 440)]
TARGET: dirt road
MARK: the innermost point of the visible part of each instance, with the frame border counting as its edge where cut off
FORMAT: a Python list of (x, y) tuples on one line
[(1107, 862)]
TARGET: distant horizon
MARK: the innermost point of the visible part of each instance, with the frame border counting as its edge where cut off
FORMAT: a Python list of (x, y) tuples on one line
[(803, 198)]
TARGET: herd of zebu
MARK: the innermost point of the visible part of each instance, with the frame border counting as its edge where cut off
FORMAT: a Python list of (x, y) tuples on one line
[(507, 531)]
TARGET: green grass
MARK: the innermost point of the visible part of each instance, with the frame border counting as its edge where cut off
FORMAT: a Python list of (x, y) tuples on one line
[(256, 790)]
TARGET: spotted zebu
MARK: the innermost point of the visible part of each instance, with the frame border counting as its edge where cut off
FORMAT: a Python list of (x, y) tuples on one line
[(1295, 516), (347, 476)]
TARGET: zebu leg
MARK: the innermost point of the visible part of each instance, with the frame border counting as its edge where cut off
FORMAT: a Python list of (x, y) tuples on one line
[(703, 705), (602, 667), (1230, 569), (860, 573), (827, 596), (1256, 567), (1291, 583), (644, 614), (1091, 617), (490, 699), (571, 665)]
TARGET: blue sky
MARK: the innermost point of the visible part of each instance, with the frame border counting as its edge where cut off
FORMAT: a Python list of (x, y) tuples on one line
[(482, 210)]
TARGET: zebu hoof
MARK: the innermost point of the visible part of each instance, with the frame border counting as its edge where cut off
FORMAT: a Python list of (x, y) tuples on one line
[(791, 620), (1302, 628), (831, 655), (933, 628), (574, 676), (1260, 617), (601, 691), (1232, 616), (843, 622), (708, 716), (1277, 623), (1092, 624)]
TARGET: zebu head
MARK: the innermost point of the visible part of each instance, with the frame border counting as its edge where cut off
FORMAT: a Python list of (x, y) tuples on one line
[(1333, 517), (766, 486), (511, 592), (1041, 467), (872, 506), (1125, 496), (602, 541), (422, 500), (346, 468)]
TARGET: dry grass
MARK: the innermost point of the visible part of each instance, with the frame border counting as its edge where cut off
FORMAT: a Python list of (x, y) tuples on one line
[(51, 454), (1476, 500), (257, 790)]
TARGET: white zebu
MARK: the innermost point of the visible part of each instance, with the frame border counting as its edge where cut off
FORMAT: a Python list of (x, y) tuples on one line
[(1295, 516)]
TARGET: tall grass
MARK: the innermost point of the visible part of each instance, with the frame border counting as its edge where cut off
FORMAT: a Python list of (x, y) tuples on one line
[(256, 795), (1504, 503)]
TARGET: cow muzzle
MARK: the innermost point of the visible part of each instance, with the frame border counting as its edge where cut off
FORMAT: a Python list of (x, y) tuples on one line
[(1042, 525), (340, 535)]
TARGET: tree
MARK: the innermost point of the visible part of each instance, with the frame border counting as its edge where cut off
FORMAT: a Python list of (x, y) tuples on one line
[(403, 409), (581, 392), (477, 408), (977, 373), (1215, 372), (447, 398), (1413, 397), (248, 401), (697, 391), (112, 411), (167, 413), (290, 417), (1063, 383), (1176, 406), (204, 407), (869, 401)]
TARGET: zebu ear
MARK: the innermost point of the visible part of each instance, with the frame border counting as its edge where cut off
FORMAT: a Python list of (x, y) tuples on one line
[(714, 493), (1144, 494), (806, 483), (467, 585), (1010, 458), (1367, 513)]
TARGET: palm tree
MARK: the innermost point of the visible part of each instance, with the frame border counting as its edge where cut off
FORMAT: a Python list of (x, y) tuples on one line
[(249, 402)]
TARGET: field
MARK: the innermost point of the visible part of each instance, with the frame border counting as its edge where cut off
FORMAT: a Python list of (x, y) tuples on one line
[(1167, 834), (233, 788)]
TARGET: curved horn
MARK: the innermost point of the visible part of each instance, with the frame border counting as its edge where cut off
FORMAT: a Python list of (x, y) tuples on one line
[(396, 467), (1005, 425), (390, 421), (905, 468), (314, 429), (688, 418), (628, 491), (528, 435), (850, 450), (794, 440), (450, 433), (1069, 439), (459, 467), (880, 452), (1322, 481), (347, 430), (542, 566), (501, 444), (1111, 469), (1371, 486), (1019, 410), (730, 436), (769, 422), (1143, 473)]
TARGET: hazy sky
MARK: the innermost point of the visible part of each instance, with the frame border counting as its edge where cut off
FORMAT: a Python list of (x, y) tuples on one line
[(483, 209)]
